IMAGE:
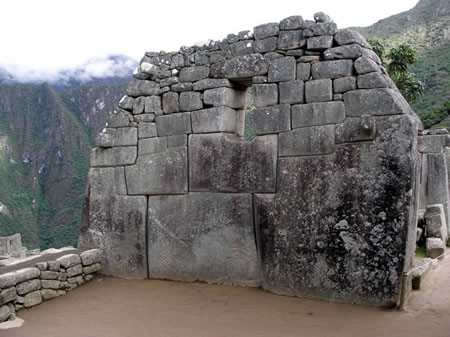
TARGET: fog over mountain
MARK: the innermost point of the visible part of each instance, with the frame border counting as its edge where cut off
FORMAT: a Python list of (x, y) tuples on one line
[(110, 69)]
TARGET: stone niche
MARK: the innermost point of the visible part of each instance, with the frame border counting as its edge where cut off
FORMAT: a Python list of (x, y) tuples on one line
[(322, 204)]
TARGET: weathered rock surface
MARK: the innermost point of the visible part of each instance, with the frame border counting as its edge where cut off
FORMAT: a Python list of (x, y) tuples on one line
[(225, 163), (11, 279), (203, 237)]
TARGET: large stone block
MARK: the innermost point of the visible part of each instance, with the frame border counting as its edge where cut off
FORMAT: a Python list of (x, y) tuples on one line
[(436, 224), (307, 141), (142, 88), (91, 256), (266, 30), (356, 129), (225, 163), (273, 119), (282, 69), (190, 101), (292, 92), (365, 65), (332, 69), (152, 145), (349, 36), (320, 42), (372, 80), (11, 279), (318, 90), (158, 173), (170, 102), (344, 84), (433, 143), (32, 299), (266, 45), (210, 83), (9, 295), (437, 190), (192, 74), (342, 226), (240, 67), (292, 22), (291, 39), (205, 237), (375, 102), (219, 119), (317, 114), (116, 225), (265, 94), (352, 51), (116, 156), (175, 124), (125, 136), (224, 96)]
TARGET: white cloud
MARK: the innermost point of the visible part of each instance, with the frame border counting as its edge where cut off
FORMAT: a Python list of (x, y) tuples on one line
[(51, 34)]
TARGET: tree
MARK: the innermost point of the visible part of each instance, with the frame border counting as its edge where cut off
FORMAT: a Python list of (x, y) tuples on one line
[(397, 62)]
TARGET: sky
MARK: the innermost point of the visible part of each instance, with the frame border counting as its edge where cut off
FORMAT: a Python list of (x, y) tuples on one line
[(47, 35)]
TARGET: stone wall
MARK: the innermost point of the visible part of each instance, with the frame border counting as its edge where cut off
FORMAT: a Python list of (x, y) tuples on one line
[(28, 287), (11, 247), (321, 204)]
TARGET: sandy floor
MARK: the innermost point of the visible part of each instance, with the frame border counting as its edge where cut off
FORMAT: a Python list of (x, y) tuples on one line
[(113, 307)]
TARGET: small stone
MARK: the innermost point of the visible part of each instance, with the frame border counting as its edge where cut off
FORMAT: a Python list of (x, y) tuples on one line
[(321, 17), (266, 30), (119, 118), (126, 103), (218, 119), (170, 102), (152, 145), (265, 45), (41, 265), (324, 28), (309, 59), (303, 71), (153, 105), (32, 299), (50, 284), (190, 101), (49, 275), (105, 139), (344, 84), (69, 260), (371, 81), (5, 313), (91, 256), (142, 88), (48, 294), (8, 295), (53, 265), (282, 69), (75, 270), (62, 276), (265, 95), (125, 136), (291, 23), (144, 118), (174, 124), (349, 36), (332, 69), (192, 74), (167, 82), (182, 87), (147, 130), (315, 114), (273, 119), (89, 277), (435, 247), (291, 39), (92, 268), (224, 96), (352, 51), (292, 92), (210, 83), (320, 42)]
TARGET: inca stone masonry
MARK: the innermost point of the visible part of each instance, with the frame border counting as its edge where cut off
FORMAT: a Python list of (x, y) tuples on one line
[(322, 204)]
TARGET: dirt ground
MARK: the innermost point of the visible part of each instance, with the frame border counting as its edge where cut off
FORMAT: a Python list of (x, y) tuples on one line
[(112, 307)]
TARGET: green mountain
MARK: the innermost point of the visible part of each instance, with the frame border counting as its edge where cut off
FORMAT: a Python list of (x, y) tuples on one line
[(426, 28), (45, 140)]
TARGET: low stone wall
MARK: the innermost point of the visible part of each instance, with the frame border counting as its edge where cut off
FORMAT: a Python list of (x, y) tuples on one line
[(28, 287)]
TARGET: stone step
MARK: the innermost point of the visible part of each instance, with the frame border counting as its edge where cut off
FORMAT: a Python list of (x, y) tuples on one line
[(421, 271)]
